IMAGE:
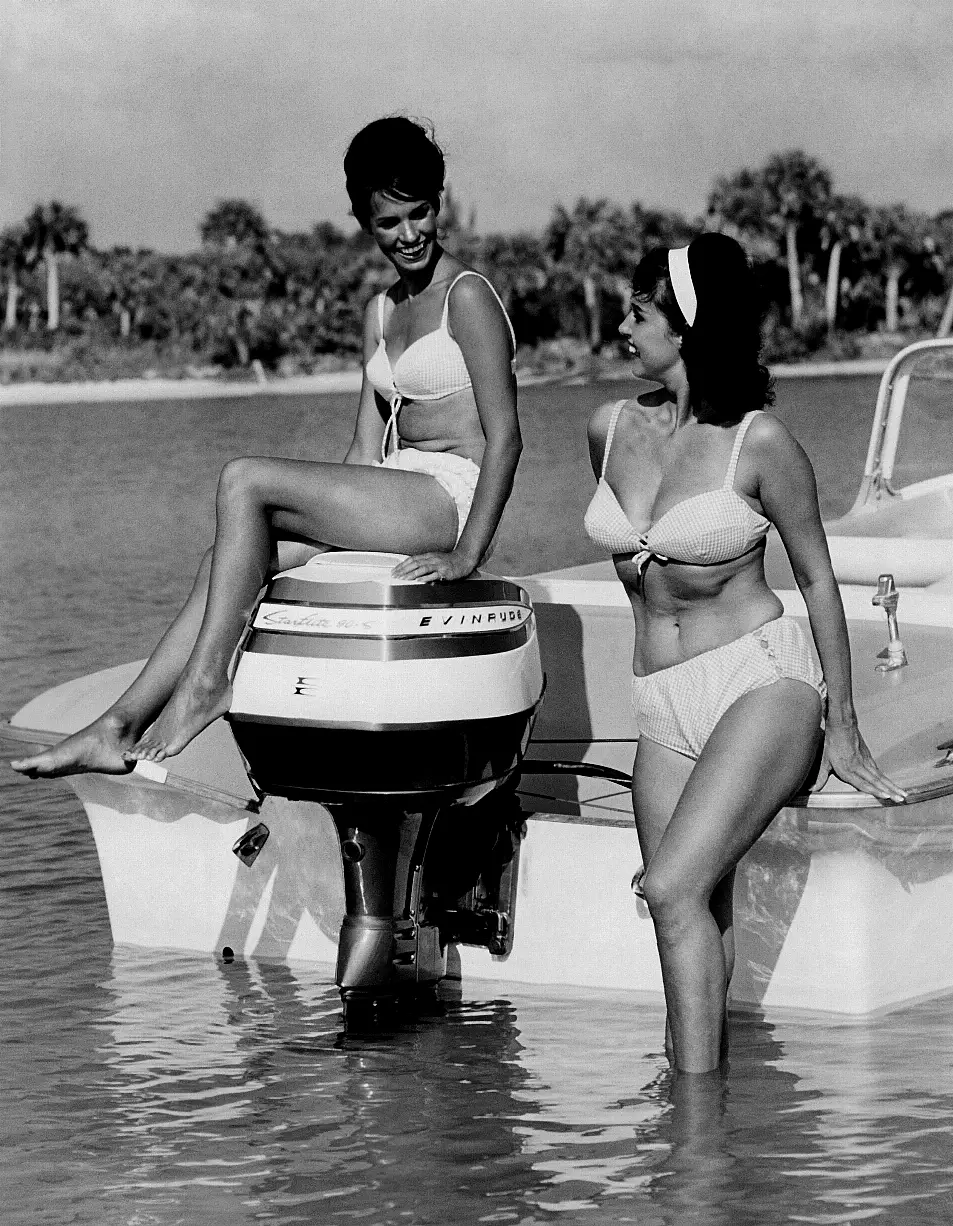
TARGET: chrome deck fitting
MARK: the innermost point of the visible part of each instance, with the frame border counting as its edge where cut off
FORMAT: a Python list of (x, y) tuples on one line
[(893, 655)]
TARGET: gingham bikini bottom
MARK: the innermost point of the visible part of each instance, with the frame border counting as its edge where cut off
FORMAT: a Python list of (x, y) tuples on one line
[(455, 473), (679, 706)]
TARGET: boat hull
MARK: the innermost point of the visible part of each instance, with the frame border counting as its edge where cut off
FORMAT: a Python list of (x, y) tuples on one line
[(837, 914)]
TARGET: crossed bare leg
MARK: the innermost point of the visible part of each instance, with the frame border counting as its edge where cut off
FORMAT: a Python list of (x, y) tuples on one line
[(358, 506), (239, 567), (184, 686)]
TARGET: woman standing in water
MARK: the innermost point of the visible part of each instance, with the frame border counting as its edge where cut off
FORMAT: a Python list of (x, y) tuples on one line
[(727, 695), (438, 351)]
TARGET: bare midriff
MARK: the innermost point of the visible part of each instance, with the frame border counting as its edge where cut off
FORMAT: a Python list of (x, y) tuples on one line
[(451, 423), (682, 610)]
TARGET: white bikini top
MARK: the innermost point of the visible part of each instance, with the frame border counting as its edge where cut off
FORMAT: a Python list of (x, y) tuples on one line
[(429, 369), (705, 529)]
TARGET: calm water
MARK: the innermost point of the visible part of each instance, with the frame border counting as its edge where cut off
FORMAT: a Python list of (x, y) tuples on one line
[(140, 1088)]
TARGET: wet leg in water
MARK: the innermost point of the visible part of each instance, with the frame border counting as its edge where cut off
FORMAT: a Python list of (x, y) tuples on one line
[(759, 753)]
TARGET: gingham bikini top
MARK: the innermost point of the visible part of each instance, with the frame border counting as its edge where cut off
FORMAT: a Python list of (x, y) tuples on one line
[(429, 369), (705, 529)]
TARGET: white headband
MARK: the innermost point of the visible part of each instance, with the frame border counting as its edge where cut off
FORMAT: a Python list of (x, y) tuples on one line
[(681, 278)]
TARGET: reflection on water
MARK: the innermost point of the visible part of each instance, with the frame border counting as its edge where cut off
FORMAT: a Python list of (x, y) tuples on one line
[(141, 1087), (147, 1088), (174, 1088)]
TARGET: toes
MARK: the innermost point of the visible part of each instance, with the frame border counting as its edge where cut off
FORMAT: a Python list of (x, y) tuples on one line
[(144, 751), (32, 768)]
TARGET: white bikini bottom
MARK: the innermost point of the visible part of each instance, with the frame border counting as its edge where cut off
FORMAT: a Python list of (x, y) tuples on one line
[(679, 706), (455, 473)]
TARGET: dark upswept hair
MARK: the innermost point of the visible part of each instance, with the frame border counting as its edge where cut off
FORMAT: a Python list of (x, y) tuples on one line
[(396, 155), (722, 348)]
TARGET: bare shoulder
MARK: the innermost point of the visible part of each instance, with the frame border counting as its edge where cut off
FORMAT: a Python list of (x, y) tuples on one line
[(372, 333), (776, 459), (771, 441), (635, 422), (472, 293), (597, 430), (475, 315), (598, 424)]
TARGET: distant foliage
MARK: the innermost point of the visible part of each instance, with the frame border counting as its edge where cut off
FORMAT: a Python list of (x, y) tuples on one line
[(832, 269)]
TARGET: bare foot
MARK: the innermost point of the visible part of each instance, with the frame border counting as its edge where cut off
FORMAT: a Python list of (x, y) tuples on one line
[(97, 747), (195, 703)]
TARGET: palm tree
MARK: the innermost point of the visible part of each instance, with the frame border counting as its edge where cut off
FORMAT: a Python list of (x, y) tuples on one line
[(943, 226), (129, 280), (13, 261), (517, 264), (843, 225), (800, 188), (52, 230), (232, 223), (594, 244), (896, 240), (790, 190), (645, 229), (660, 227), (741, 205)]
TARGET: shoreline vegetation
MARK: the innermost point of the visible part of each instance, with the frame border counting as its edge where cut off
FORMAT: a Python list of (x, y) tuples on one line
[(845, 285)]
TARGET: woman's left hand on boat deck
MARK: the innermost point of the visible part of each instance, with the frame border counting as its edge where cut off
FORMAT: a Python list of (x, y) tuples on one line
[(852, 761), (431, 566)]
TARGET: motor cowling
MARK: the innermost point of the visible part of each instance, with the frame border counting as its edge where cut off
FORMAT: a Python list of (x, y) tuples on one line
[(352, 686)]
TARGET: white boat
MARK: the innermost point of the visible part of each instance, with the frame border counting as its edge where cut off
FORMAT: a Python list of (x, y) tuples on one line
[(843, 906)]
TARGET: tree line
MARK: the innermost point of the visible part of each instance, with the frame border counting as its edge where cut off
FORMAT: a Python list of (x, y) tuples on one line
[(832, 268)]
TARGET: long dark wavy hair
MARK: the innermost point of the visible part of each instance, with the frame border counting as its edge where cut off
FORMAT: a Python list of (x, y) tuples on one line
[(396, 155), (722, 348)]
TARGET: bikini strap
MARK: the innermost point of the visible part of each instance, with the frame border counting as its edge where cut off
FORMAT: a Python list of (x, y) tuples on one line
[(736, 450), (380, 311), (610, 434), (471, 272)]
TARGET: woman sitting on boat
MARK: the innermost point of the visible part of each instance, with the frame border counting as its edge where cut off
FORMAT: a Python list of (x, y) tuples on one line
[(729, 700), (428, 472)]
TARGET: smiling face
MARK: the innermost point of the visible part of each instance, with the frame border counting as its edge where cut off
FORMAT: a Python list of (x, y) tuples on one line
[(652, 342), (405, 231)]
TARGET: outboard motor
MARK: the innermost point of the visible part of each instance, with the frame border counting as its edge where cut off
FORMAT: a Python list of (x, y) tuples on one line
[(406, 709)]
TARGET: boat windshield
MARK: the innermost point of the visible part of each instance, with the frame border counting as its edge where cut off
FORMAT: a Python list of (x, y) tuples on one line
[(925, 445)]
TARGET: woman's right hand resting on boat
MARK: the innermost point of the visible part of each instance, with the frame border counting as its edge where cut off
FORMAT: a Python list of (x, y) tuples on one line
[(426, 567), (846, 756)]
